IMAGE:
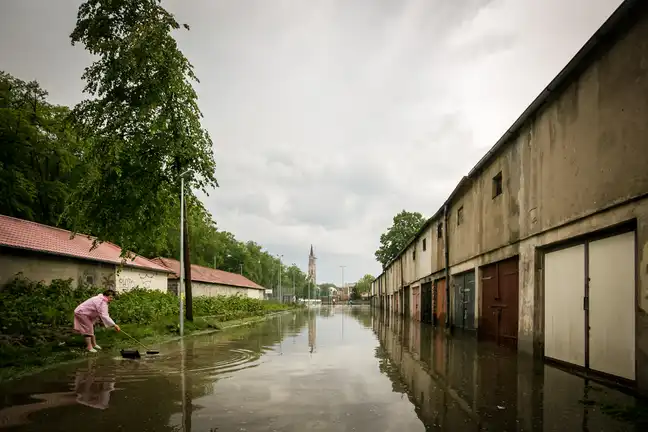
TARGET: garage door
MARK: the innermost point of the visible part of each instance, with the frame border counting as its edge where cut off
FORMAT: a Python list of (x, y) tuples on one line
[(592, 283), (564, 313)]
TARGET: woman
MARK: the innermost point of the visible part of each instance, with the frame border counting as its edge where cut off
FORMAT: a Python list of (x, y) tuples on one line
[(90, 311)]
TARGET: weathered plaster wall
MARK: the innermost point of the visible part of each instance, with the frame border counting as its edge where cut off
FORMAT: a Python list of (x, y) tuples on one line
[(213, 290), (43, 267), (129, 278)]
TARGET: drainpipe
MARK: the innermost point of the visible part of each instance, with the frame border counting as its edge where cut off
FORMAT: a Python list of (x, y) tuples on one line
[(446, 253), (402, 294)]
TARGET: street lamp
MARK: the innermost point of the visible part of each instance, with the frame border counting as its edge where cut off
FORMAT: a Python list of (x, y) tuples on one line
[(182, 273)]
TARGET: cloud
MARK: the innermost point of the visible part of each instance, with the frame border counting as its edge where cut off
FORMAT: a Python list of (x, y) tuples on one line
[(328, 116)]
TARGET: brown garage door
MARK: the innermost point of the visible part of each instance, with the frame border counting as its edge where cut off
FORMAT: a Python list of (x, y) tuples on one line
[(499, 314)]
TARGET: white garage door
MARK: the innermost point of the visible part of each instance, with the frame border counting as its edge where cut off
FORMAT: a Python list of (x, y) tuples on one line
[(611, 312), (564, 314), (612, 305)]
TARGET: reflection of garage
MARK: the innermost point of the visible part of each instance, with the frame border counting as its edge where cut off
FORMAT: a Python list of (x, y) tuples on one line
[(439, 309), (426, 302), (589, 296), (464, 300), (499, 313)]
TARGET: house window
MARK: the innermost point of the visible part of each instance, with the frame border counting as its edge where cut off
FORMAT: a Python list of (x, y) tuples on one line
[(424, 245), (497, 185), (439, 230), (413, 255), (460, 215), (89, 280)]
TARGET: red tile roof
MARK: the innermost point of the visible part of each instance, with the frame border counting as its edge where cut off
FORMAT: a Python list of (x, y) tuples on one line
[(209, 275), (23, 234)]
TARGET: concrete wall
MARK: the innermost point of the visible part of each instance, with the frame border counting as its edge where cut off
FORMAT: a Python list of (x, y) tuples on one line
[(43, 267), (129, 278), (578, 166), (213, 290)]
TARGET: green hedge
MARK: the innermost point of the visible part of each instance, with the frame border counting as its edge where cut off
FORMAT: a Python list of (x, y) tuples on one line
[(34, 312)]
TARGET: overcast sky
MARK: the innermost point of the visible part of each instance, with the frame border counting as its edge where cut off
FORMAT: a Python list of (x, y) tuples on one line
[(330, 116)]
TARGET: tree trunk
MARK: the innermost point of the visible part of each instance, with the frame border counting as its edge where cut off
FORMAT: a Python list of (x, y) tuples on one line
[(187, 266)]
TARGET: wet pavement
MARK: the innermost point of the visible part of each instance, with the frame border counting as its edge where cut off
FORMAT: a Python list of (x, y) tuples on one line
[(330, 369)]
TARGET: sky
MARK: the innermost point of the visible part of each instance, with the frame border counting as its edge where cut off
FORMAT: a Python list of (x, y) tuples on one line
[(328, 117)]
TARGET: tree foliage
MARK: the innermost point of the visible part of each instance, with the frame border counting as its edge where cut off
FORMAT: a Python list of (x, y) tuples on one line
[(364, 284), (39, 153), (405, 226), (141, 122)]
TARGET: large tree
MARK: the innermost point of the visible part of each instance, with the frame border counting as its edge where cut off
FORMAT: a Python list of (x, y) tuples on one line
[(39, 153), (405, 226), (364, 284), (142, 123)]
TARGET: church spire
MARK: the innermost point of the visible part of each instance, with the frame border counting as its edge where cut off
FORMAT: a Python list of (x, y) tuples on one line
[(311, 252)]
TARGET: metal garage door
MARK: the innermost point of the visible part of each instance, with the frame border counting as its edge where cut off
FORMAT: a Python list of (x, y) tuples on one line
[(589, 294), (564, 314)]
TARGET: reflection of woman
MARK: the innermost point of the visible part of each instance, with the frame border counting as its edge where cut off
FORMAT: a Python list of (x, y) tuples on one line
[(92, 391)]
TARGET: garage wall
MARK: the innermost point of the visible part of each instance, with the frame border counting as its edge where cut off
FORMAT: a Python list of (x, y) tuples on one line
[(129, 278), (46, 268)]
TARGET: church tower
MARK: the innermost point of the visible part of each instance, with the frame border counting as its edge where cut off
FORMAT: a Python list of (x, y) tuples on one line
[(312, 268)]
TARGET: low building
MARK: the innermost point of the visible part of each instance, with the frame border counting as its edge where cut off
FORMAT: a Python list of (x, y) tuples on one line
[(544, 243), (44, 253), (210, 282)]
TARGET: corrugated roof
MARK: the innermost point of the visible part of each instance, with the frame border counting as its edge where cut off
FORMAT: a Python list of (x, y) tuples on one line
[(27, 235), (209, 275)]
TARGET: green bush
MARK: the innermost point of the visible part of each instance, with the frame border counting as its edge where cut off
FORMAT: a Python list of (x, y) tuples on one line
[(34, 312)]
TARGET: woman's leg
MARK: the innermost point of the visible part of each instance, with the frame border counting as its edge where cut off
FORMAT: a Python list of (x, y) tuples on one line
[(94, 341), (89, 341)]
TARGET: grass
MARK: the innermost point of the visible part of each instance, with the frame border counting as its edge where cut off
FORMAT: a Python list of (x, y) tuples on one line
[(36, 323)]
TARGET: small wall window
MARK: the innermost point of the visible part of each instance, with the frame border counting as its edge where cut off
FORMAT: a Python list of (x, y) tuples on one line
[(439, 230), (497, 185), (414, 255), (460, 215), (424, 245)]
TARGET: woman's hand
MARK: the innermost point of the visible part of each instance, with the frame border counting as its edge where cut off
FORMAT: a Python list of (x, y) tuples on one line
[(117, 328)]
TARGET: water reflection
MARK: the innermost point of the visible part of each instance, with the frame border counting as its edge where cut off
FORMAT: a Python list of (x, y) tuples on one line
[(157, 393), (93, 389), (330, 368), (459, 384)]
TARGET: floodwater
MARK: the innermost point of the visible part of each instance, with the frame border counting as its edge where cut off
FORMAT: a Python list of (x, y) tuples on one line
[(329, 369)]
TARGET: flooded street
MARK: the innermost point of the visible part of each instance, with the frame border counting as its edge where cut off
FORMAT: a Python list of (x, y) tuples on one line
[(331, 369)]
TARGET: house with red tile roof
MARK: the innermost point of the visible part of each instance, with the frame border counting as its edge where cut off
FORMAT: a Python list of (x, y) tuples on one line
[(211, 282), (44, 253)]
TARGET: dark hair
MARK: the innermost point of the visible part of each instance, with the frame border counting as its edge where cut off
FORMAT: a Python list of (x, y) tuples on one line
[(109, 292)]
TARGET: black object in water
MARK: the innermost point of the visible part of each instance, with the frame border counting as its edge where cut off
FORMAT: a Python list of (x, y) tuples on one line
[(132, 354)]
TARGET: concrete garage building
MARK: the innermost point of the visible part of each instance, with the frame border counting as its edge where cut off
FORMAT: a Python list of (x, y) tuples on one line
[(544, 243), (44, 253), (210, 282)]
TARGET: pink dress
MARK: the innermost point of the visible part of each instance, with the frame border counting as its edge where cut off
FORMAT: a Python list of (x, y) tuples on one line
[(88, 312)]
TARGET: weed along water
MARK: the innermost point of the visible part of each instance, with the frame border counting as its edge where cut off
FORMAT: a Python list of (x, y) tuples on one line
[(334, 369)]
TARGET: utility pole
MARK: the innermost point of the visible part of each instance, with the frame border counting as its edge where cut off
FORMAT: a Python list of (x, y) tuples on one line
[(241, 265), (342, 267)]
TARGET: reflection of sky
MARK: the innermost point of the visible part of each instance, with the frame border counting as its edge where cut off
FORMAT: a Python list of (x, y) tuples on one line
[(339, 384)]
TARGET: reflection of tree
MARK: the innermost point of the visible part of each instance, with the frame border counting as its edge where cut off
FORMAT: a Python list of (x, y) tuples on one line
[(362, 315), (388, 368)]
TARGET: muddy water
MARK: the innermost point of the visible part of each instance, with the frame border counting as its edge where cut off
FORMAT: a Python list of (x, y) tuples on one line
[(338, 369)]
